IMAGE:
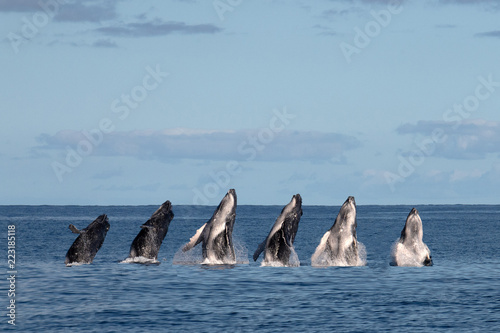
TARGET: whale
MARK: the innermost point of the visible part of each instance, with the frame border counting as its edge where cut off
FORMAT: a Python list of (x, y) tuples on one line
[(339, 245), (148, 241), (410, 250), (88, 242), (278, 245), (216, 235)]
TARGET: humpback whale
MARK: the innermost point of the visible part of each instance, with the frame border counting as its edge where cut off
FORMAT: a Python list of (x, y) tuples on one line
[(148, 241), (217, 234), (339, 245), (278, 245), (410, 250), (88, 242)]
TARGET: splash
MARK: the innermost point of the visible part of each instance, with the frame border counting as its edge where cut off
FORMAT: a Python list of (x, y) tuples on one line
[(76, 264), (241, 252), (191, 257), (408, 256), (139, 260), (322, 257), (293, 261)]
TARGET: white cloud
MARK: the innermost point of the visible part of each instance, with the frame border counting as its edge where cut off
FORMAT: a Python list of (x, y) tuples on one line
[(470, 139), (180, 143)]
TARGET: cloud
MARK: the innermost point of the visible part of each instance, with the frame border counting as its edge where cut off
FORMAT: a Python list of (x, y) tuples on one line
[(19, 6), (65, 11), (331, 14), (494, 33), (489, 5), (174, 144), (87, 11), (157, 27), (324, 30), (486, 4), (471, 139), (467, 2), (372, 2), (107, 43)]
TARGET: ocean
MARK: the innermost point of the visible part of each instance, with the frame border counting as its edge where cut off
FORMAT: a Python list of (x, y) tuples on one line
[(459, 293)]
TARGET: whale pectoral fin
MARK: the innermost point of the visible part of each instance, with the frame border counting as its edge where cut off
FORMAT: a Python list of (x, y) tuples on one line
[(195, 240), (259, 250), (74, 229), (428, 261), (320, 249)]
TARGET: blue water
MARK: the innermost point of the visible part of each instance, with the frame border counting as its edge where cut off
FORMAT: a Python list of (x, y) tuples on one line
[(460, 293)]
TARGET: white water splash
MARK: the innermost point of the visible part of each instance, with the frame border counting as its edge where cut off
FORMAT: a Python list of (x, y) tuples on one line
[(409, 256), (77, 264), (293, 261), (323, 258), (139, 260)]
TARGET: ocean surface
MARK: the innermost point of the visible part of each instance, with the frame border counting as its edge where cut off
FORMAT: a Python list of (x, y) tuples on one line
[(459, 293)]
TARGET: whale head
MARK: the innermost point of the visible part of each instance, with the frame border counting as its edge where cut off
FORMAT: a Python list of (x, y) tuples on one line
[(161, 215), (348, 210), (413, 231), (229, 201), (100, 225), (346, 219)]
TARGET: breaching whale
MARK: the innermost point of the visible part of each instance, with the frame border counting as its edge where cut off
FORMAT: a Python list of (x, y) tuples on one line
[(339, 245), (88, 242), (217, 234), (410, 250), (148, 241), (278, 245)]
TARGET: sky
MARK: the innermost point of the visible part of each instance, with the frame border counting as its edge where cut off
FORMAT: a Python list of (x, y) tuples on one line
[(131, 103)]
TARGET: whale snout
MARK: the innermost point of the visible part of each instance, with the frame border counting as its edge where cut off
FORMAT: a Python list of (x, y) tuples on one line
[(103, 219), (298, 199), (231, 194)]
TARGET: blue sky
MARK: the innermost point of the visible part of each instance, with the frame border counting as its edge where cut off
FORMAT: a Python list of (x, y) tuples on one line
[(123, 102)]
